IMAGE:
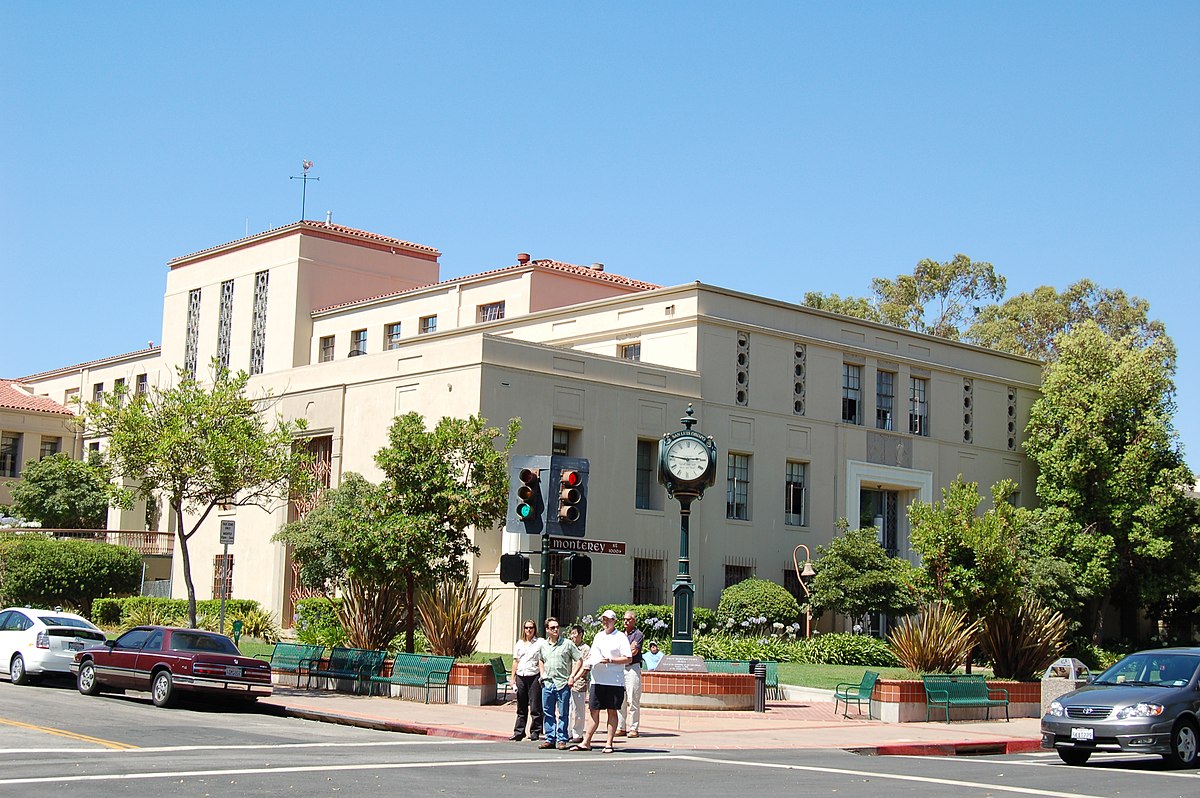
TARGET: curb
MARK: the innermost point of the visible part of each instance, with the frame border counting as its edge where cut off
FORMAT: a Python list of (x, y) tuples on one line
[(379, 724), (971, 748)]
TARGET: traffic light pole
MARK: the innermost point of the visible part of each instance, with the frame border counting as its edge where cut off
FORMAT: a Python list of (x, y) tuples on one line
[(544, 587)]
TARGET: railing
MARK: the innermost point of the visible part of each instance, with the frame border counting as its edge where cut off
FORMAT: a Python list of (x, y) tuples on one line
[(160, 544)]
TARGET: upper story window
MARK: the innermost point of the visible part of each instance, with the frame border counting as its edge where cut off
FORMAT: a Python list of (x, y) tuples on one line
[(851, 393), (490, 312), (258, 331), (50, 447), (141, 384), (428, 325), (632, 351), (326, 351), (885, 399), (560, 441), (358, 343), (737, 487), (391, 336), (646, 488), (10, 447), (191, 341), (97, 392), (918, 406), (795, 494)]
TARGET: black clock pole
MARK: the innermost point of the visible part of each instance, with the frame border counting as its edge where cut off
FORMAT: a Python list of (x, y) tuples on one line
[(684, 590)]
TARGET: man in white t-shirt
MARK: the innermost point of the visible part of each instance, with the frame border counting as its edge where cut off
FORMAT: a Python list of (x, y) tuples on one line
[(607, 660)]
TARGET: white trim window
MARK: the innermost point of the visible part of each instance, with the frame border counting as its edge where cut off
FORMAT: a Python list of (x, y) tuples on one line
[(737, 487), (851, 393), (795, 494), (918, 406)]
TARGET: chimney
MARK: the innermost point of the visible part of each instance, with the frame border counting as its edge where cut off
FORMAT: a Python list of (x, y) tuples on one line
[(522, 258), (329, 218), (597, 267)]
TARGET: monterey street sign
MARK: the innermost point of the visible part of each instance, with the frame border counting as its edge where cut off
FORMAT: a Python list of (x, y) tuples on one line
[(588, 545)]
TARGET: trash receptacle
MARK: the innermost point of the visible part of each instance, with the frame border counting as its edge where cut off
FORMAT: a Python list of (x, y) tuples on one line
[(1063, 676)]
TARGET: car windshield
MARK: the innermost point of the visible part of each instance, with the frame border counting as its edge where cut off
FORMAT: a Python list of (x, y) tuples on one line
[(200, 641), (1153, 669), (64, 620)]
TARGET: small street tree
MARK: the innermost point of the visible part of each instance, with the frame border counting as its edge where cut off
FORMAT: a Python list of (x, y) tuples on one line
[(378, 545), (61, 493), (198, 446), (856, 576)]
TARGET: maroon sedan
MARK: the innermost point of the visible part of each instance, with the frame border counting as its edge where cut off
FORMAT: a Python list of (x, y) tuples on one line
[(167, 661)]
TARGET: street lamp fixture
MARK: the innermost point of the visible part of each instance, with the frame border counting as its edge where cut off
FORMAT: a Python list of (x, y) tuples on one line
[(803, 575)]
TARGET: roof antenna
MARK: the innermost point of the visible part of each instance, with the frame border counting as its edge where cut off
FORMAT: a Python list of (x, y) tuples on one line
[(305, 177)]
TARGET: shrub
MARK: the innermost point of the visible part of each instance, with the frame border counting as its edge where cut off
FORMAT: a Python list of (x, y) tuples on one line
[(704, 621), (849, 649), (74, 573), (654, 620), (754, 599), (259, 623), (452, 613), (1022, 642), (723, 646), (937, 641), (317, 622)]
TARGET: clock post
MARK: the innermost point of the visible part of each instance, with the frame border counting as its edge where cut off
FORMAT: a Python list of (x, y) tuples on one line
[(687, 464)]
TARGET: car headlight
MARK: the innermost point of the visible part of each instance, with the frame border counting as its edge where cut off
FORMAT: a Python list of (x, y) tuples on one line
[(1056, 709), (1142, 710)]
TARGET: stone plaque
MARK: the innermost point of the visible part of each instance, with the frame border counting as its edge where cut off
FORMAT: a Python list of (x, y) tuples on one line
[(679, 663)]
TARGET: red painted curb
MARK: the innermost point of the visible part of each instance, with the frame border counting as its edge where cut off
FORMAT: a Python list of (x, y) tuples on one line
[(957, 748)]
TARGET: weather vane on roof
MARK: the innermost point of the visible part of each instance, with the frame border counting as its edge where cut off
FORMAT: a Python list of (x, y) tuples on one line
[(304, 191)]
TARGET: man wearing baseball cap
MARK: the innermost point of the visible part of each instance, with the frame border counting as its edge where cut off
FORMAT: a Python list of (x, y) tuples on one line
[(609, 655)]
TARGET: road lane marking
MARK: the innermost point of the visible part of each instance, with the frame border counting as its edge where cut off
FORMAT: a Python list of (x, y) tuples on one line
[(1106, 757), (509, 762), (166, 749), (69, 735)]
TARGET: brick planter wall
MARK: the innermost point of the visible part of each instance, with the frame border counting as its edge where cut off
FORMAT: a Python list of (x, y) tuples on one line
[(903, 701), (717, 691)]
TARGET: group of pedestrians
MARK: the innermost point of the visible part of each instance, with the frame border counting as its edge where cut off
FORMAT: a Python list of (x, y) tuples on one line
[(556, 675)]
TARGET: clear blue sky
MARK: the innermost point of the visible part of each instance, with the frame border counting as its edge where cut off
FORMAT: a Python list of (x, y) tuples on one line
[(774, 148)]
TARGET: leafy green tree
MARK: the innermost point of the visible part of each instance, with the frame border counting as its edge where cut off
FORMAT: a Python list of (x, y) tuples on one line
[(1029, 323), (856, 576), (938, 298), (62, 493), (378, 545), (1110, 466), (42, 572), (199, 445)]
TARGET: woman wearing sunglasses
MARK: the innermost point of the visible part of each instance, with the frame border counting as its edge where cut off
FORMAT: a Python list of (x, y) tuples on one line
[(526, 656)]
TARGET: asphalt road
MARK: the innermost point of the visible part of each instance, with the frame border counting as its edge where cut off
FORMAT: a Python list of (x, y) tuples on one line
[(53, 740)]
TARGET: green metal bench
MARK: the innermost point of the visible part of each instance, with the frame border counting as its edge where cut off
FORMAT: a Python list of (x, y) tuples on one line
[(858, 692), (358, 664), (501, 672), (295, 658), (420, 670), (949, 691), (743, 666)]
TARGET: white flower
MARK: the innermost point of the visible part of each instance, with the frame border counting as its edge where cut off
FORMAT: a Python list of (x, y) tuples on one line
[(746, 624), (777, 625)]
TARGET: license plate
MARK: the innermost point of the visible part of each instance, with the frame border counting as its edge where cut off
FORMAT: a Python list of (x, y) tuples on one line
[(230, 670), (1081, 734), (75, 646)]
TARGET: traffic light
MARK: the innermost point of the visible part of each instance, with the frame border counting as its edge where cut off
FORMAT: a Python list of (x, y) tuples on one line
[(577, 570), (514, 568), (527, 495), (567, 513), (569, 496)]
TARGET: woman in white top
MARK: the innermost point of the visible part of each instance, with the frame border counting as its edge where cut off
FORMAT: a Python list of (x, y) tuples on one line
[(526, 655)]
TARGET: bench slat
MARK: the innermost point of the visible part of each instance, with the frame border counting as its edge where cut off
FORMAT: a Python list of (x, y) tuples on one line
[(943, 691), (420, 670)]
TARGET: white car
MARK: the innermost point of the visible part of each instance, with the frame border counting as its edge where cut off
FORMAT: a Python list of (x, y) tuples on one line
[(37, 642)]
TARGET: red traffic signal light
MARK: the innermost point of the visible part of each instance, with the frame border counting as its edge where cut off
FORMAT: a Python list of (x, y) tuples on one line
[(569, 496)]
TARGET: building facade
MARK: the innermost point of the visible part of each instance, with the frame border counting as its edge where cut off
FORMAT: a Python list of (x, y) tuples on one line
[(816, 416)]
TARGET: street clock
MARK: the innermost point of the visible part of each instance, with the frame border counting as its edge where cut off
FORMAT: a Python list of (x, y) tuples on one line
[(687, 460)]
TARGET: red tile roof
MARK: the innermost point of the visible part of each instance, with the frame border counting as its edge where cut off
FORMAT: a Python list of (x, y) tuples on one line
[(553, 265), (316, 226), (14, 396)]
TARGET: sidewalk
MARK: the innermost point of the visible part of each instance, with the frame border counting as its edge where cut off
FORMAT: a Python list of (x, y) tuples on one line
[(806, 723)]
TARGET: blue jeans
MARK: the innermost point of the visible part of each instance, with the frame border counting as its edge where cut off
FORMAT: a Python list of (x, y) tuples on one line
[(556, 703)]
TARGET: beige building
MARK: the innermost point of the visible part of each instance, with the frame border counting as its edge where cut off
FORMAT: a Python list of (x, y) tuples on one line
[(816, 416), (31, 427)]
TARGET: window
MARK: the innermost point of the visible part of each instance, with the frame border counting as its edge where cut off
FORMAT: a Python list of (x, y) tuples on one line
[(918, 406), (647, 581), (851, 393), (632, 351), (737, 488), (10, 447), (222, 571), (191, 343), (50, 447), (560, 441), (647, 479), (885, 399), (737, 573), (258, 332), (326, 349), (795, 494), (71, 397), (491, 312), (140, 384), (358, 343), (428, 324), (391, 336), (97, 392), (119, 388), (93, 451), (225, 323)]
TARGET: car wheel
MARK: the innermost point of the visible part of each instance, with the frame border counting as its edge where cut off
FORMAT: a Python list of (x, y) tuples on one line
[(1185, 745), (87, 682), (17, 672), (162, 689), (1074, 756)]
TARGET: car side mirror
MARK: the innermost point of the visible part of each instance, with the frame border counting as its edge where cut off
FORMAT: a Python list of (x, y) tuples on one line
[(110, 643), (1091, 677)]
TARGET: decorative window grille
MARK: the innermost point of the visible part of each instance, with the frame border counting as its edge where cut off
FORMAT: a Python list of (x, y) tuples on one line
[(737, 573), (222, 572), (258, 330), (647, 581), (851, 393), (391, 336), (885, 399), (800, 373), (1012, 419), (795, 493), (225, 323), (742, 373), (737, 490), (968, 411), (192, 338)]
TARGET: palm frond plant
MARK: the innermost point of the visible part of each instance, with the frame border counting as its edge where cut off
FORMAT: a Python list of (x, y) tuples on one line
[(1023, 641), (452, 613), (936, 641), (150, 614), (261, 624)]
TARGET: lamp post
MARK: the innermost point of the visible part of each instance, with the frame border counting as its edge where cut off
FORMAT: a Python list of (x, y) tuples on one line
[(802, 576)]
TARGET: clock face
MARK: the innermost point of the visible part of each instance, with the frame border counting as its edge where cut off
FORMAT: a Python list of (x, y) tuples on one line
[(687, 459)]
